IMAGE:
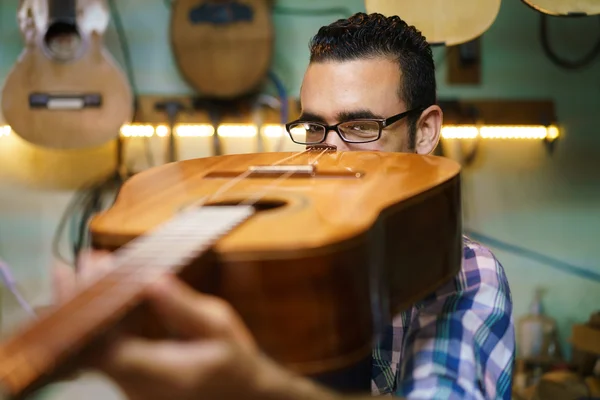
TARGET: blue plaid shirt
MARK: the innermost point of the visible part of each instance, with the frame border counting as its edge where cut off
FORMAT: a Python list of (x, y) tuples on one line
[(458, 343)]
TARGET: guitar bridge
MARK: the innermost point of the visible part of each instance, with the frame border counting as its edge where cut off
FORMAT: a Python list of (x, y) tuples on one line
[(65, 101), (306, 170), (293, 171), (322, 146)]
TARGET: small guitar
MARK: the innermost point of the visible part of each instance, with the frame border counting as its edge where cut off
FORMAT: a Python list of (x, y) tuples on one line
[(301, 250), (565, 7), (223, 48), (65, 90), (447, 22)]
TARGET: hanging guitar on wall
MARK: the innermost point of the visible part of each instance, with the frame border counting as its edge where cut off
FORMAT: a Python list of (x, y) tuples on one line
[(448, 22), (565, 7), (223, 48), (65, 91)]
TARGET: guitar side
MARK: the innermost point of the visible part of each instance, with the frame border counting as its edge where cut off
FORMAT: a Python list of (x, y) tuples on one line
[(95, 72)]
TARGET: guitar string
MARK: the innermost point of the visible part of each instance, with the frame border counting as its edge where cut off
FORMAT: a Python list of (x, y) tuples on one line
[(238, 179), (109, 262), (104, 260), (109, 259), (257, 198)]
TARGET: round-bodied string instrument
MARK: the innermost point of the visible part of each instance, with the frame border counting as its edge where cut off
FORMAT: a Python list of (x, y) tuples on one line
[(315, 250), (446, 22)]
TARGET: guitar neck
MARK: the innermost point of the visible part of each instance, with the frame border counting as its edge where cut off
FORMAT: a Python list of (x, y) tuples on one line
[(62, 10), (46, 345)]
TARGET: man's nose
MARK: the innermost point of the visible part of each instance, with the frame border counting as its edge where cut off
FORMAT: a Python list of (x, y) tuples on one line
[(334, 139)]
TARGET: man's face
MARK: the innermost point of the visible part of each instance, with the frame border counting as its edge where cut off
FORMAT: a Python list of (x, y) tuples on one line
[(334, 92)]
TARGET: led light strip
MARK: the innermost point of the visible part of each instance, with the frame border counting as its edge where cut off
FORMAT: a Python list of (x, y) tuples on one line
[(532, 132)]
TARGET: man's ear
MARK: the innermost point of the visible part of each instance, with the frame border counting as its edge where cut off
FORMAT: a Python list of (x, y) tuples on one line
[(429, 128)]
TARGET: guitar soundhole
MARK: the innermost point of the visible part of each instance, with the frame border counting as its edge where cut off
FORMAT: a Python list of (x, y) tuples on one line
[(260, 205), (62, 41)]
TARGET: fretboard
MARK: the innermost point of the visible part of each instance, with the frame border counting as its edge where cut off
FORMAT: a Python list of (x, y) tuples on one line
[(172, 246), (183, 238)]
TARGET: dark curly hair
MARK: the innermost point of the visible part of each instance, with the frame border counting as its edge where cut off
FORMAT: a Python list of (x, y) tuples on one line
[(370, 35)]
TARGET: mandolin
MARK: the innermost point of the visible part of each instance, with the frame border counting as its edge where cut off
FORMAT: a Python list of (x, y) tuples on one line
[(565, 7), (223, 48), (65, 91), (446, 22), (316, 251)]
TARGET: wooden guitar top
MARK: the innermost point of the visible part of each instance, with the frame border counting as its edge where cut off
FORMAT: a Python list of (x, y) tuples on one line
[(322, 209)]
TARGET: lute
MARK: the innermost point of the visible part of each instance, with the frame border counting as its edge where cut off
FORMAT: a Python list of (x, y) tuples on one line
[(65, 91), (223, 48), (446, 22), (315, 250), (565, 7)]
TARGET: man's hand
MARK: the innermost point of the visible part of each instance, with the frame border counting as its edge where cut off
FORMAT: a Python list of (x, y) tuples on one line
[(217, 357)]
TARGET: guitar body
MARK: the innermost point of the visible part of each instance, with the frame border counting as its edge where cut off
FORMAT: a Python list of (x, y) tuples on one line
[(565, 7), (325, 261), (79, 101), (449, 22), (223, 48)]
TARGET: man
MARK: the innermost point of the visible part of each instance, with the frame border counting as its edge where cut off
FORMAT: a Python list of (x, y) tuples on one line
[(456, 343)]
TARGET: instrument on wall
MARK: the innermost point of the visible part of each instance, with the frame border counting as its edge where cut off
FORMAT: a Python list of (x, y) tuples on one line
[(223, 48), (565, 7), (448, 22), (300, 251), (65, 91)]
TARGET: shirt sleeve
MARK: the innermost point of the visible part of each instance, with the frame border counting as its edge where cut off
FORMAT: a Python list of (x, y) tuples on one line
[(460, 343)]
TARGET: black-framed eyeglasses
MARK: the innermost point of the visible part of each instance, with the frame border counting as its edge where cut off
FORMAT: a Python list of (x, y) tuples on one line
[(355, 131)]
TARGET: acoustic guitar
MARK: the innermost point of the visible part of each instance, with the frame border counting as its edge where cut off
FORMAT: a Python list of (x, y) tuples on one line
[(565, 7), (442, 22), (65, 91), (303, 245), (223, 48)]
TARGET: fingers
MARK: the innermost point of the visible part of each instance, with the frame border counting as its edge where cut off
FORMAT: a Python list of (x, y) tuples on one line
[(146, 358), (197, 315), (175, 367)]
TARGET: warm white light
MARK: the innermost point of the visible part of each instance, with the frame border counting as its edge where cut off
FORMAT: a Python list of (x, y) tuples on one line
[(194, 130), (500, 132), (235, 130), (460, 132), (552, 132), (532, 132), (137, 130), (273, 131), (516, 132), (162, 131)]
